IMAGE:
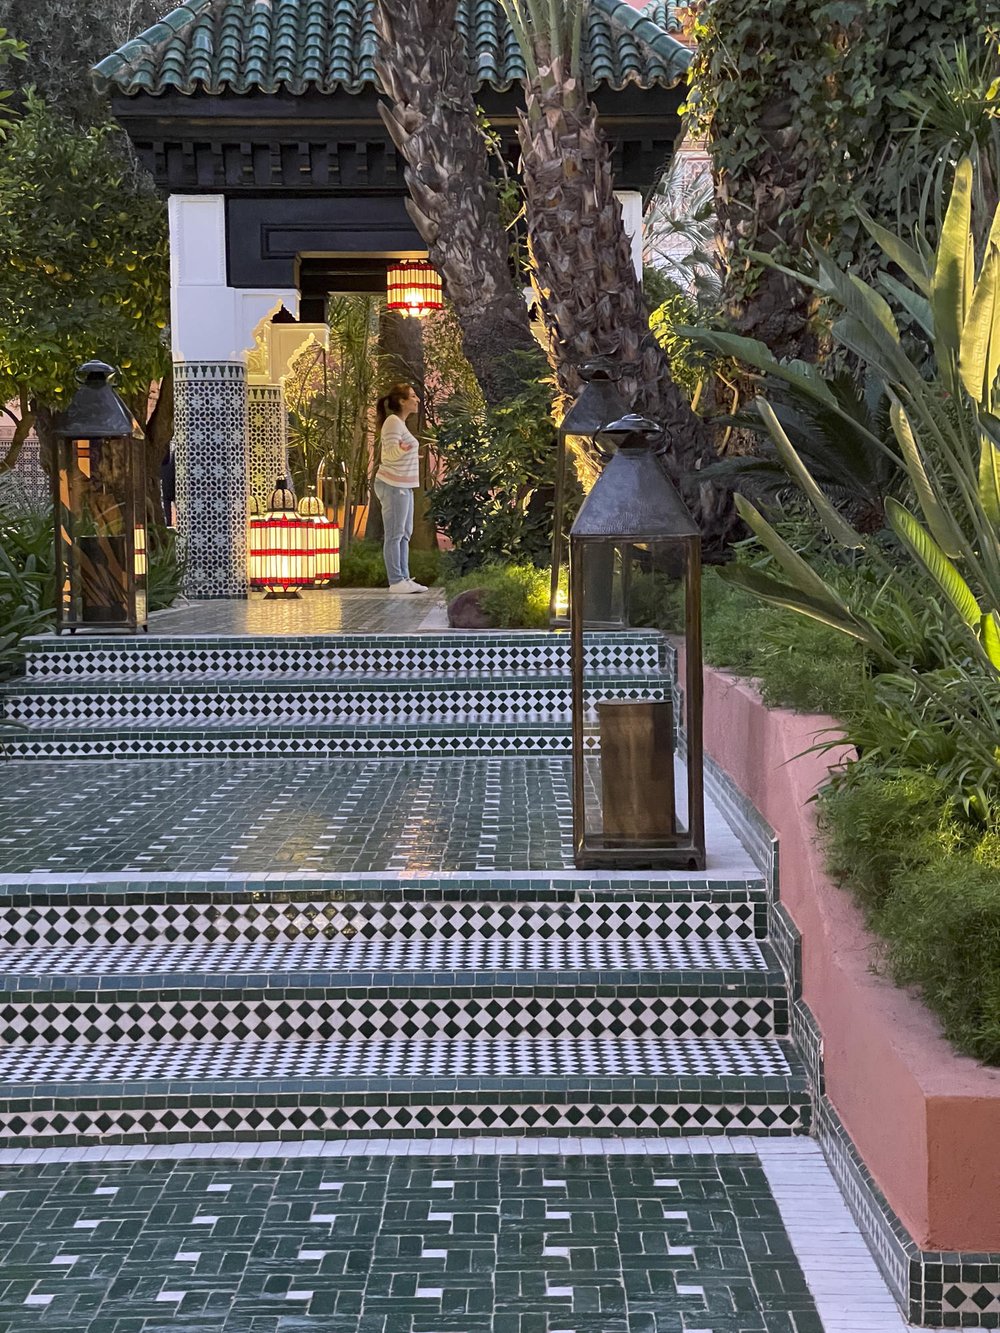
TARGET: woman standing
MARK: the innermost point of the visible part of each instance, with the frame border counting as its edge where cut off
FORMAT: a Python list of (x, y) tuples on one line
[(395, 481)]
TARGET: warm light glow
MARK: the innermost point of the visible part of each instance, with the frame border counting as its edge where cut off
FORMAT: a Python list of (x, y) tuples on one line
[(413, 288), (281, 554), (140, 551)]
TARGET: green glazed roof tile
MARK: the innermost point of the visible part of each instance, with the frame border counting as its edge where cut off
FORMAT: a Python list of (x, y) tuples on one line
[(244, 46)]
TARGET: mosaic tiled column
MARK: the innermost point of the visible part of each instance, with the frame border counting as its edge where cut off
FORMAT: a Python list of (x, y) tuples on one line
[(267, 432), (210, 437)]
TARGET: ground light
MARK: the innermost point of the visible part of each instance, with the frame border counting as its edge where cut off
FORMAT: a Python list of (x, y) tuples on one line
[(99, 509), (634, 545)]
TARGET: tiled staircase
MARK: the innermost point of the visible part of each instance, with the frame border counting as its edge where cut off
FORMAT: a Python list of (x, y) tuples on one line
[(350, 695), (228, 1006)]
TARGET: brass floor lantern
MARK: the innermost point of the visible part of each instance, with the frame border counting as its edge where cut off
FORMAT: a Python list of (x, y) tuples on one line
[(638, 794)]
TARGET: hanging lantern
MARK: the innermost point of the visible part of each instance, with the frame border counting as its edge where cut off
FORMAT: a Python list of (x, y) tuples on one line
[(310, 506), (413, 288)]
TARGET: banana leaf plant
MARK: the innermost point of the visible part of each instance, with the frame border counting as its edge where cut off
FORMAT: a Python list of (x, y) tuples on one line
[(947, 430)]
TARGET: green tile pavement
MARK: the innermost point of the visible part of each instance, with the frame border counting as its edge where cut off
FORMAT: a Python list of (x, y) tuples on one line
[(548, 1244)]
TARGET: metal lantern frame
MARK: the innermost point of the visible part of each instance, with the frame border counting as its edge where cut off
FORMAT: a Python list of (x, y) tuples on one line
[(597, 404), (99, 510), (633, 505), (413, 287)]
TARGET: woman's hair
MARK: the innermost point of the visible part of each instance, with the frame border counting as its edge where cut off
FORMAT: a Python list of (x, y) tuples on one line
[(391, 402)]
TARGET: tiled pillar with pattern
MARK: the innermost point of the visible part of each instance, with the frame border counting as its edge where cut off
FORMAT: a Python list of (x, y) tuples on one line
[(210, 440), (267, 432)]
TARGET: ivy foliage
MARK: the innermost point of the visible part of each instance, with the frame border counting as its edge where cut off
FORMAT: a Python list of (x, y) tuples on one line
[(83, 260), (807, 109), (10, 49)]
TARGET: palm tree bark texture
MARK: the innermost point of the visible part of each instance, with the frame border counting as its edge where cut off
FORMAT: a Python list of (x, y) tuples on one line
[(423, 65), (589, 293)]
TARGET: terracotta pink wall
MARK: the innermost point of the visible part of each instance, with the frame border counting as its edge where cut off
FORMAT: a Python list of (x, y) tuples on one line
[(926, 1121)]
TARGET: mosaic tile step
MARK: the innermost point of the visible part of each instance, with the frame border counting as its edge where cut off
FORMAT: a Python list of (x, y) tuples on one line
[(240, 1111), (438, 960), (312, 741), (284, 818), (188, 703), (520, 1065), (467, 1244), (91, 914), (461, 653), (314, 1013)]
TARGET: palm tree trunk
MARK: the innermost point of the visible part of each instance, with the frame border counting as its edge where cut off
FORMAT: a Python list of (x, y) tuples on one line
[(588, 290), (424, 69)]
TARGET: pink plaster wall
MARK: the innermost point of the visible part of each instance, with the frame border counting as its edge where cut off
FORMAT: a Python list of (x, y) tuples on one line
[(926, 1121)]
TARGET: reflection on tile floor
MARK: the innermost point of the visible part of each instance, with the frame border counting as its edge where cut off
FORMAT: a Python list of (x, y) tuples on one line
[(624, 1244), (307, 816), (326, 611)]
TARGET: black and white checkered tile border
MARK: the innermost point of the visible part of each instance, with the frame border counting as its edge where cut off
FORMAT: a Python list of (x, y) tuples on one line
[(316, 743), (933, 1289), (471, 705), (179, 1016), (370, 657), (206, 1118), (47, 923)]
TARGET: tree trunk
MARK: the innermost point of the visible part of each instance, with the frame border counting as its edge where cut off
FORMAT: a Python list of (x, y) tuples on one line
[(423, 65), (589, 293), (22, 429)]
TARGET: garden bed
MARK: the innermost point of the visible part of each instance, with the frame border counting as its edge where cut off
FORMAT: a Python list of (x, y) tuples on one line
[(925, 1119)]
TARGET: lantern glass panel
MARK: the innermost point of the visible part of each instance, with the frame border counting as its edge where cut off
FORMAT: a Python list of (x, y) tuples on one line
[(100, 527)]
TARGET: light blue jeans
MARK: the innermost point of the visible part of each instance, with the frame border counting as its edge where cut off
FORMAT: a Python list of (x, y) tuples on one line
[(397, 520)]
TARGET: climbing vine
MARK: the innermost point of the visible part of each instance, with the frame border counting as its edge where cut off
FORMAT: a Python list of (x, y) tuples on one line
[(804, 107)]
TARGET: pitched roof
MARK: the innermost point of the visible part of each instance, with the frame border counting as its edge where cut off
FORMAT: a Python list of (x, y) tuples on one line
[(245, 46)]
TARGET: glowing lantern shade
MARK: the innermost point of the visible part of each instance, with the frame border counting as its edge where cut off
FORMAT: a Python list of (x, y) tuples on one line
[(413, 288), (281, 556), (324, 540)]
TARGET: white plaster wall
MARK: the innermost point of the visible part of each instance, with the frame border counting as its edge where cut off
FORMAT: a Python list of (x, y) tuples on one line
[(209, 320)]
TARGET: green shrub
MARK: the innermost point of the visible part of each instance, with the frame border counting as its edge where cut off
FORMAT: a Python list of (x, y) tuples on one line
[(364, 567), (877, 828), (942, 923), (515, 596), (27, 581)]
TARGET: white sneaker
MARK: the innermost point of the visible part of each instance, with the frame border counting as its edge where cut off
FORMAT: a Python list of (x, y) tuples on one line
[(404, 586), (415, 586)]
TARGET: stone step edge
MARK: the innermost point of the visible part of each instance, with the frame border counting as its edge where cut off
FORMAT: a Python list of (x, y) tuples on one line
[(563, 886), (737, 983), (726, 1088), (86, 685)]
